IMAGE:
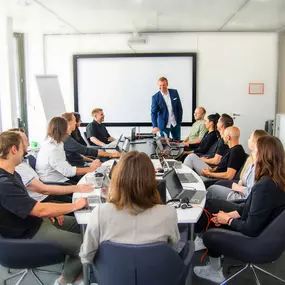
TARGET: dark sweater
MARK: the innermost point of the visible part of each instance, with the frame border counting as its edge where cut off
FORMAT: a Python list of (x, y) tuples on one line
[(207, 142), (265, 202), (73, 149)]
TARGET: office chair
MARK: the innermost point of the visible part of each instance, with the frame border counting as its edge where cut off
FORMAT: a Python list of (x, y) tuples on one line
[(32, 161), (86, 139), (29, 255), (151, 264), (265, 248)]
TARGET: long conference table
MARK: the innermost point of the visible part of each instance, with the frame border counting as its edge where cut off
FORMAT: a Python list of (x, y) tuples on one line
[(185, 216)]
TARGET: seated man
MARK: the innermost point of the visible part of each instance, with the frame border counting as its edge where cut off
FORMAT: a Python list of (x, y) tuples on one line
[(40, 191), (217, 152), (76, 153), (22, 217), (96, 132), (232, 161), (198, 129)]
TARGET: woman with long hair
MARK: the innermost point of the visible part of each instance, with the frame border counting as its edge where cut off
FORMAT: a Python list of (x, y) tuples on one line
[(265, 202), (238, 189), (134, 213), (76, 134), (211, 136), (52, 165)]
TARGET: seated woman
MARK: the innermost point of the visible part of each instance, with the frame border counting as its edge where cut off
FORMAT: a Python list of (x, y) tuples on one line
[(52, 165), (242, 189), (265, 202), (211, 136), (134, 213), (76, 134)]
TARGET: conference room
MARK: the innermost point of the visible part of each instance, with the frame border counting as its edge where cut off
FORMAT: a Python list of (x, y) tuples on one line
[(183, 97)]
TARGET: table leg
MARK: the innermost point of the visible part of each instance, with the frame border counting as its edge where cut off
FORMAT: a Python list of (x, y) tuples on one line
[(192, 232), (85, 266)]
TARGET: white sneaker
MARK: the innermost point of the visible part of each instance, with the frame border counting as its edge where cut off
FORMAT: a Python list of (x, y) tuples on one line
[(199, 245), (207, 272)]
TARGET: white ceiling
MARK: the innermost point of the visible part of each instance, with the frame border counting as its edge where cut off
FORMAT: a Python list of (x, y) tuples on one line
[(120, 16)]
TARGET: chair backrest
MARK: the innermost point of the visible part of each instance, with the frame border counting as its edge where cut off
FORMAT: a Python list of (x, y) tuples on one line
[(26, 253), (32, 161), (272, 239), (125, 264)]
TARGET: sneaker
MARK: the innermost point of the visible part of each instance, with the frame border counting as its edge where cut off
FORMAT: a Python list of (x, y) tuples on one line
[(199, 245), (207, 272)]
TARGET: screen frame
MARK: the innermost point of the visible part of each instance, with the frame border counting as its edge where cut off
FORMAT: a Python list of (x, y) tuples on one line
[(76, 57)]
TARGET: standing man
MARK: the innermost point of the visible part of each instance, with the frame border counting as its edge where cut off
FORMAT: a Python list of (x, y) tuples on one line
[(96, 131), (166, 110)]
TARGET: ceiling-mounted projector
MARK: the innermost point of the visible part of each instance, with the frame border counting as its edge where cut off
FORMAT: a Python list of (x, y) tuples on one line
[(137, 39)]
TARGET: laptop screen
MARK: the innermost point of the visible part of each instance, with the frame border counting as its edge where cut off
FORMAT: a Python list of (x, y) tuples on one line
[(166, 139), (173, 183), (133, 134)]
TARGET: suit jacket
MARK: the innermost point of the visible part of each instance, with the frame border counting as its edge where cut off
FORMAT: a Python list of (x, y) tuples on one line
[(159, 111)]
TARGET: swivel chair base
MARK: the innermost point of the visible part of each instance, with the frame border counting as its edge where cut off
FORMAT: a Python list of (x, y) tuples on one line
[(253, 268), (25, 272)]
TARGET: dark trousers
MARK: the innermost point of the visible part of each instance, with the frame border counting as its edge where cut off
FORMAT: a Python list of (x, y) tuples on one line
[(214, 206), (175, 132)]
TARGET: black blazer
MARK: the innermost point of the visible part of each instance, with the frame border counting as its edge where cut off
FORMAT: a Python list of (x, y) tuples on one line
[(265, 202)]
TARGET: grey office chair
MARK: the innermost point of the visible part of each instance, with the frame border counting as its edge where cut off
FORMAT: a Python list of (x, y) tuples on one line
[(265, 248)]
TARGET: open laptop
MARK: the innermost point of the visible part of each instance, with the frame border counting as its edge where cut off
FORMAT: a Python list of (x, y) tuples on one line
[(172, 144), (176, 190), (113, 145), (172, 152)]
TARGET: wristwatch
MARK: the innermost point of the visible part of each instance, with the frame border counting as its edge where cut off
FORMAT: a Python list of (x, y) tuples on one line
[(229, 220)]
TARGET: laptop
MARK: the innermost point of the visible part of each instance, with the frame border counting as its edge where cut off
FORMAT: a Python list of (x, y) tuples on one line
[(172, 152), (176, 190), (112, 145), (172, 144)]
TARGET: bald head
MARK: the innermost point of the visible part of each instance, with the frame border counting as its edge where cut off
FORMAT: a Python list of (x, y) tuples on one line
[(233, 132)]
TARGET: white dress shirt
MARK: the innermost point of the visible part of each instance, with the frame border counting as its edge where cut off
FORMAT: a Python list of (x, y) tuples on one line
[(171, 117), (52, 165)]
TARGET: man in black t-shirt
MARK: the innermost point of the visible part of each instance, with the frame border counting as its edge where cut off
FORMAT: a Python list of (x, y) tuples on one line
[(23, 217), (232, 161), (218, 151), (96, 131)]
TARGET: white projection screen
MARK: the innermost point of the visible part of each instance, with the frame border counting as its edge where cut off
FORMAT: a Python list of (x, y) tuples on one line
[(123, 84)]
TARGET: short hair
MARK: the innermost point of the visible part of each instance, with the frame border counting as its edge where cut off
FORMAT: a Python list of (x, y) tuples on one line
[(21, 130), (7, 141), (96, 111), (57, 129), (203, 110), (67, 116), (163, 79), (133, 183), (227, 120)]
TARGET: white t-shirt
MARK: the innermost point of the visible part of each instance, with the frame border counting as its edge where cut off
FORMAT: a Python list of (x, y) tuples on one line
[(28, 174)]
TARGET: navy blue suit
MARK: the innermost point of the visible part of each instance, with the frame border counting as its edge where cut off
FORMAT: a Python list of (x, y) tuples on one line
[(159, 112)]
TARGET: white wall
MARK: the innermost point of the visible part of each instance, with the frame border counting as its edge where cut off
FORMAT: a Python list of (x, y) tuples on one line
[(227, 63)]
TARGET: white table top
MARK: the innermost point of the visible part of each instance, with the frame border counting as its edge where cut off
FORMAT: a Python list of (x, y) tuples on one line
[(190, 215)]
